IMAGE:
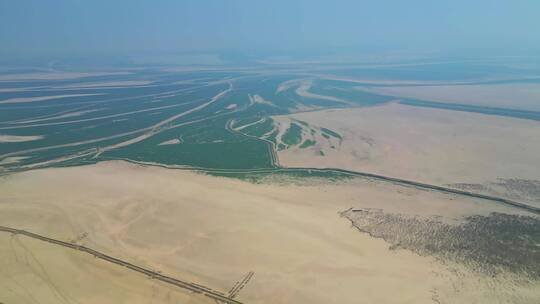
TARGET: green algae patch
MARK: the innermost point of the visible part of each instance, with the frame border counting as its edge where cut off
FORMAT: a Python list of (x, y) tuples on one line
[(293, 135), (307, 143)]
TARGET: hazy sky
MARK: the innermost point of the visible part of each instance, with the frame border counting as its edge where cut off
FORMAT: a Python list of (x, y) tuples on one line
[(117, 26)]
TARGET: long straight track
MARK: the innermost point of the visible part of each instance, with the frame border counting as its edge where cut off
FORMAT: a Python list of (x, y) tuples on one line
[(190, 286)]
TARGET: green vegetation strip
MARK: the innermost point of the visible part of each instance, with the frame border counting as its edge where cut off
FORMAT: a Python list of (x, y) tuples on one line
[(307, 143), (344, 172), (331, 133)]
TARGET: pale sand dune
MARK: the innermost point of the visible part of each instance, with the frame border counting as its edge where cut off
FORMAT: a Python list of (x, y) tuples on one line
[(303, 91), (214, 230), (108, 84), (55, 75), (422, 144), (513, 96), (16, 138), (173, 141), (41, 98), (12, 160), (289, 84), (9, 90), (66, 115), (257, 99)]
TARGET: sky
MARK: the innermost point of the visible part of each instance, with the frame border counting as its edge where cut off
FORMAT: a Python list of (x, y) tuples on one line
[(30, 27)]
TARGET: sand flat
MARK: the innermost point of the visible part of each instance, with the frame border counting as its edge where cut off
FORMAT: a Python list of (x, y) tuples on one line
[(53, 75), (41, 98), (422, 144), (16, 138), (214, 230), (36, 272), (513, 96), (107, 84)]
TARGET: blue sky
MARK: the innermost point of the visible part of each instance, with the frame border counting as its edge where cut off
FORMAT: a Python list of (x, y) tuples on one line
[(97, 26)]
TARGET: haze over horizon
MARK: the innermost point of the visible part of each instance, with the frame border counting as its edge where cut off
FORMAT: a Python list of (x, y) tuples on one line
[(62, 28), (269, 152)]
